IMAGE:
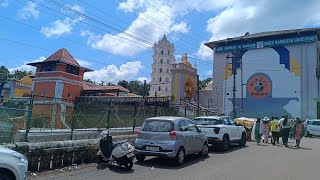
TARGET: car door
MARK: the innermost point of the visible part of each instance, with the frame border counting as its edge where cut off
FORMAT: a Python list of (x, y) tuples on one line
[(226, 123), (315, 128), (237, 129), (187, 136), (196, 136)]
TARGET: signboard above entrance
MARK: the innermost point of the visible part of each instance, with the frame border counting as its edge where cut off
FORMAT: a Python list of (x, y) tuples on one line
[(266, 44)]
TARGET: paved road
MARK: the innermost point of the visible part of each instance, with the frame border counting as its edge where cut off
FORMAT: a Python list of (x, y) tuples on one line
[(253, 162)]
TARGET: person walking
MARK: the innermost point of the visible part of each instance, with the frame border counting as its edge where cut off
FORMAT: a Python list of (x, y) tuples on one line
[(274, 130), (285, 129), (278, 130), (298, 132), (265, 129), (257, 131)]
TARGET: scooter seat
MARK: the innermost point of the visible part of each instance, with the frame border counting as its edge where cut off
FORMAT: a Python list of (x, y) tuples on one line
[(116, 143)]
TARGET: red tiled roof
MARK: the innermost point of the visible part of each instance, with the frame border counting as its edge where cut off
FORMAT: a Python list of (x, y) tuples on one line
[(62, 55), (94, 87)]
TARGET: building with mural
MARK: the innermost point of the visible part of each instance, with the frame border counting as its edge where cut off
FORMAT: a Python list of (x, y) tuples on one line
[(278, 73)]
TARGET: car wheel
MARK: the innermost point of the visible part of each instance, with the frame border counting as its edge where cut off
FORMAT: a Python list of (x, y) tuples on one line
[(308, 134), (225, 143), (140, 158), (6, 175), (243, 140), (180, 156), (128, 165), (205, 149)]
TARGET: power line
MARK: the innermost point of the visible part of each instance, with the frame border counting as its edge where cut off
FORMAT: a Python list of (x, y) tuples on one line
[(158, 22), (81, 14)]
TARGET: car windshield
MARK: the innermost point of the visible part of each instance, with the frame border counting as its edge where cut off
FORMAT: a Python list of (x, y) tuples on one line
[(206, 121), (157, 126)]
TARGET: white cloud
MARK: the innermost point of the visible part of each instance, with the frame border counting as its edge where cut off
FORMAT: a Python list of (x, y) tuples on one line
[(181, 27), (126, 45), (61, 27), (148, 79), (83, 63), (204, 52), (4, 3), (26, 67), (260, 16), (112, 73), (29, 11)]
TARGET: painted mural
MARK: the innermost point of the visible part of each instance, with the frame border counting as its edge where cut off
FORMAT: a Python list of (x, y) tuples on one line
[(271, 84)]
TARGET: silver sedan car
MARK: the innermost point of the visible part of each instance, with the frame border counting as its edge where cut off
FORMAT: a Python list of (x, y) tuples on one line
[(172, 137)]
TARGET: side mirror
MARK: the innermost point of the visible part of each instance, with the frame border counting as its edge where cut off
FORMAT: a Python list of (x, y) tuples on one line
[(199, 130)]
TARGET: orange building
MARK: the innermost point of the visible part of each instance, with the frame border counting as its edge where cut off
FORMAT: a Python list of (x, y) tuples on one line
[(57, 82)]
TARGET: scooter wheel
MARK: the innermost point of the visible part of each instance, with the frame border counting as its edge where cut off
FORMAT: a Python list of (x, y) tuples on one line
[(128, 165), (101, 160)]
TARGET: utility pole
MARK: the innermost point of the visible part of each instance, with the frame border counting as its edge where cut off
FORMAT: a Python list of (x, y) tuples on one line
[(198, 95), (144, 88), (155, 107), (234, 58)]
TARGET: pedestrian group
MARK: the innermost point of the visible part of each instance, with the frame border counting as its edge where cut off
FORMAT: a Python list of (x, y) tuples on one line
[(283, 127)]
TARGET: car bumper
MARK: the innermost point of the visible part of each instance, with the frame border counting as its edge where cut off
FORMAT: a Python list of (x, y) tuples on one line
[(22, 171), (213, 140), (171, 154)]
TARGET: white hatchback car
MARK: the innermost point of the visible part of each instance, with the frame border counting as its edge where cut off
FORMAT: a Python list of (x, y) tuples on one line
[(221, 131), (13, 165), (313, 127)]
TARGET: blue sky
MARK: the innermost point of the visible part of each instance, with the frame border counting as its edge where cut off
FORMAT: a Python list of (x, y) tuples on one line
[(115, 37)]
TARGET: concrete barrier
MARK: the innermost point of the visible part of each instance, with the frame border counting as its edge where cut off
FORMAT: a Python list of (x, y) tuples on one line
[(57, 154)]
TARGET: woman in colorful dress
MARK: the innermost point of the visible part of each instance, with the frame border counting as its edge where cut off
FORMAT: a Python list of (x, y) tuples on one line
[(265, 129), (257, 131), (298, 132)]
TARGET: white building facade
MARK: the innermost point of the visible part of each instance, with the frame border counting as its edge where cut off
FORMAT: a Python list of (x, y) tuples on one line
[(163, 58), (280, 74)]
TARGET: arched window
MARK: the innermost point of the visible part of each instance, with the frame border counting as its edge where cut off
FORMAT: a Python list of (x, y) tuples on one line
[(168, 61), (155, 61), (162, 52), (167, 70), (166, 89), (160, 70), (159, 88), (155, 69), (160, 79), (168, 52), (154, 79), (167, 79), (156, 52), (161, 61)]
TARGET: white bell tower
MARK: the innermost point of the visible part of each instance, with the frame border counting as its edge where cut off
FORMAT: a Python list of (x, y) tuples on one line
[(163, 58)]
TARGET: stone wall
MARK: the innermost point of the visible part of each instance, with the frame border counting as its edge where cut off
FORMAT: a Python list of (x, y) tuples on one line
[(53, 155)]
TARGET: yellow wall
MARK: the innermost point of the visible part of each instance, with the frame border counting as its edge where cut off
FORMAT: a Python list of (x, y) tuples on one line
[(20, 91)]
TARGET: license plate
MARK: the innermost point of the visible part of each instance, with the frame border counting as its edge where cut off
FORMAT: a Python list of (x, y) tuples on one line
[(130, 155), (152, 148)]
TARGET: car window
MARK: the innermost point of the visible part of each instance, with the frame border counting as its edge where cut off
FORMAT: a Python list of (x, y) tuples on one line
[(191, 126), (206, 121), (157, 126), (226, 121), (316, 123), (231, 122), (182, 125)]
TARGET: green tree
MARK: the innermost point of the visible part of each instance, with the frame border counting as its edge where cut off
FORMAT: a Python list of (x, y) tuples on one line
[(204, 82), (4, 75), (17, 75), (123, 83)]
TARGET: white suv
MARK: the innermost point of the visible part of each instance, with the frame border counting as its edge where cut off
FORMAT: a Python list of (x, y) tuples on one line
[(313, 127), (13, 165), (221, 131)]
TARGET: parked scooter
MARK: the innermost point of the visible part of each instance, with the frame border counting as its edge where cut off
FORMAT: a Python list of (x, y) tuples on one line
[(121, 152)]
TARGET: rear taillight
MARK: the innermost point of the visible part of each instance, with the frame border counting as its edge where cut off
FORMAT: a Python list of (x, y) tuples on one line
[(173, 135), (216, 130), (138, 132)]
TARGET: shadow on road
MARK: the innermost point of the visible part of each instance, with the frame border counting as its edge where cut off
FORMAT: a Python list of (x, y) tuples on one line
[(232, 148), (165, 163), (301, 148), (114, 168)]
